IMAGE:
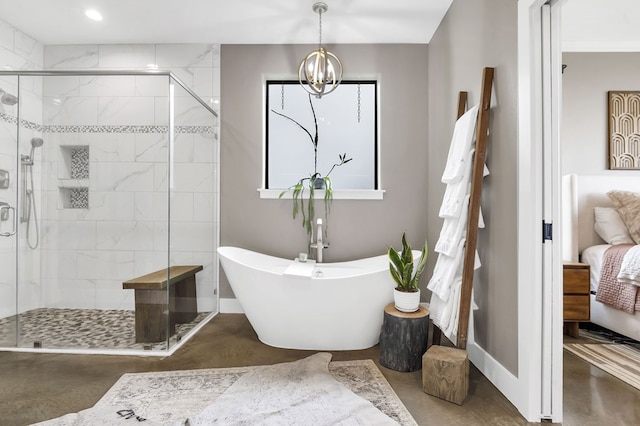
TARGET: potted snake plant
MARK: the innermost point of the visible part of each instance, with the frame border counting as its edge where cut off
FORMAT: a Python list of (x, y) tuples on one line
[(312, 182), (406, 275)]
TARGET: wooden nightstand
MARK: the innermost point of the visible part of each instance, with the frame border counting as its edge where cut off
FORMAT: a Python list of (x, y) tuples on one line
[(576, 299)]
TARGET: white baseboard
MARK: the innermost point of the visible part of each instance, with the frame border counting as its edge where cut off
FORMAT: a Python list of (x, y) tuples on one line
[(507, 383), (497, 374), (230, 306)]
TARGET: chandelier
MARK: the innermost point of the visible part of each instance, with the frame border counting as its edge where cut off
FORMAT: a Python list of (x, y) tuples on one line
[(320, 72)]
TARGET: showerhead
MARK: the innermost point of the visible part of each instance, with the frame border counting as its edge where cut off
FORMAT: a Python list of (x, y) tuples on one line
[(8, 98), (35, 143)]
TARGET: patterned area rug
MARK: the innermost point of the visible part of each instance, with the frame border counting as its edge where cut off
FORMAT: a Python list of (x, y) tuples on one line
[(621, 361), (171, 396)]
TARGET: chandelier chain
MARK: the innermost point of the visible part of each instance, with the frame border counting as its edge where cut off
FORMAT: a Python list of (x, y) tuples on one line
[(320, 26), (358, 102)]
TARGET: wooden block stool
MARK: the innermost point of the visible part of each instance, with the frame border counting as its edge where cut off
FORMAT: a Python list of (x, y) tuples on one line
[(403, 338), (445, 373)]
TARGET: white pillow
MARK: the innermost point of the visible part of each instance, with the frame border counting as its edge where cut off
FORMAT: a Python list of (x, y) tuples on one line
[(610, 227)]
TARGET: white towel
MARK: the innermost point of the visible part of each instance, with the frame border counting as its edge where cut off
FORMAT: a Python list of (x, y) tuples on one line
[(445, 270), (480, 218), (454, 194), (630, 268), (453, 230), (454, 320), (446, 315), (452, 326), (476, 261), (451, 233), (440, 311), (461, 141), (453, 199)]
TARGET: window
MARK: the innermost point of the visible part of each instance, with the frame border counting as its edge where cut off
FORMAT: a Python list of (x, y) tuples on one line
[(346, 124)]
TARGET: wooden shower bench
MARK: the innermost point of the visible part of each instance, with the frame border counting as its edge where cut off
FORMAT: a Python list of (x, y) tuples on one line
[(153, 306)]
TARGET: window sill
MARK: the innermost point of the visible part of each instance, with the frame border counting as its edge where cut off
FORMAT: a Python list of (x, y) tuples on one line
[(338, 194)]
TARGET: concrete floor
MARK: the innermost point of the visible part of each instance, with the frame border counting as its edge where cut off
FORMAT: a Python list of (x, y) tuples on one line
[(36, 387)]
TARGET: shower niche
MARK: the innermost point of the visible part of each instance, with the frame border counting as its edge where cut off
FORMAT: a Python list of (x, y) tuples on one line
[(74, 176)]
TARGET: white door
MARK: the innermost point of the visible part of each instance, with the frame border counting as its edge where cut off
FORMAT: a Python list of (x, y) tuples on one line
[(9, 180), (552, 323), (539, 245)]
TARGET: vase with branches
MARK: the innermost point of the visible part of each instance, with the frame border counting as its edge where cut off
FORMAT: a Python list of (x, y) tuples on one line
[(314, 181)]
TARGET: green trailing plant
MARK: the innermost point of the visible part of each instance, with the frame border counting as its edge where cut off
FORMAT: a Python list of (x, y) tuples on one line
[(312, 182), (401, 266)]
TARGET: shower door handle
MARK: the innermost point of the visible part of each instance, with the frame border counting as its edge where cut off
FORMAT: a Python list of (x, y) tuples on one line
[(5, 210)]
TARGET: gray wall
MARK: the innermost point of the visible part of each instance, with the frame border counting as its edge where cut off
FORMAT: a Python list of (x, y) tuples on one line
[(477, 34), (357, 228), (585, 83)]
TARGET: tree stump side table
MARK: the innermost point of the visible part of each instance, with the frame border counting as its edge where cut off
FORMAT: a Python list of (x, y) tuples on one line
[(403, 338)]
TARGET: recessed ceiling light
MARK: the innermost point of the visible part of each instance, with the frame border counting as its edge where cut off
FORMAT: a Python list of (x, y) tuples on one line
[(93, 14)]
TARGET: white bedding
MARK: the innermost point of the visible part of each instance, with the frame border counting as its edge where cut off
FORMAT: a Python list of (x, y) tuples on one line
[(601, 314), (629, 269), (593, 256)]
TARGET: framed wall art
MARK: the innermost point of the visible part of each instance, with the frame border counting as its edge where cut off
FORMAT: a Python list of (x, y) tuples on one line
[(624, 130)]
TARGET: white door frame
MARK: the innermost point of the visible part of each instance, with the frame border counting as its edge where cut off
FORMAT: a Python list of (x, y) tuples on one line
[(539, 263)]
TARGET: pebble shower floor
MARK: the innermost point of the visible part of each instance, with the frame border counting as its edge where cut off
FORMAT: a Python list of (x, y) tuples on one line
[(81, 329)]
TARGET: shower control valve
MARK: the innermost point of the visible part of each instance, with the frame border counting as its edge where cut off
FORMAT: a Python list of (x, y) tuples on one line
[(4, 179), (4, 211)]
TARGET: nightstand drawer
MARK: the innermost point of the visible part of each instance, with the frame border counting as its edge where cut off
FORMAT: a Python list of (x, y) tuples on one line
[(576, 280), (576, 308)]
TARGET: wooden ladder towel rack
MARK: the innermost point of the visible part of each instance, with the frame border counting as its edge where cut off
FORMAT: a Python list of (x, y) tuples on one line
[(445, 370), (482, 126)]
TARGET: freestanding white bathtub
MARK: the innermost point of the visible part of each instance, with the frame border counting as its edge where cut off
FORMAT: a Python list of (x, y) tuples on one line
[(326, 306)]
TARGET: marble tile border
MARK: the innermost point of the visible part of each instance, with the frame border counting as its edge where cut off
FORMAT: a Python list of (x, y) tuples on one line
[(57, 128), (124, 129)]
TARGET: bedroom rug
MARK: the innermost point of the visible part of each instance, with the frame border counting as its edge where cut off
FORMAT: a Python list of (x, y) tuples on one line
[(621, 361), (308, 391)]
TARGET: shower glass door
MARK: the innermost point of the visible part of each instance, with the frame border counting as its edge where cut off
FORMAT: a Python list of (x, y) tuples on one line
[(30, 163), (8, 211), (191, 186), (107, 179)]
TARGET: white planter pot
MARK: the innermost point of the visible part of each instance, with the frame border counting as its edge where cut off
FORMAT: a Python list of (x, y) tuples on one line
[(406, 301)]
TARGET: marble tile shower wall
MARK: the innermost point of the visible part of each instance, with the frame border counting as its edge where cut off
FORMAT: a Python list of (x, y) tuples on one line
[(18, 51), (122, 120)]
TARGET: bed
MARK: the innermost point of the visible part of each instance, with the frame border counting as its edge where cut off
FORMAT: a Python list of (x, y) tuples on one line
[(581, 195)]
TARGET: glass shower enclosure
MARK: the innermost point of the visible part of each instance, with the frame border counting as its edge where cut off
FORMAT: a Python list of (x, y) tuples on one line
[(108, 211)]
